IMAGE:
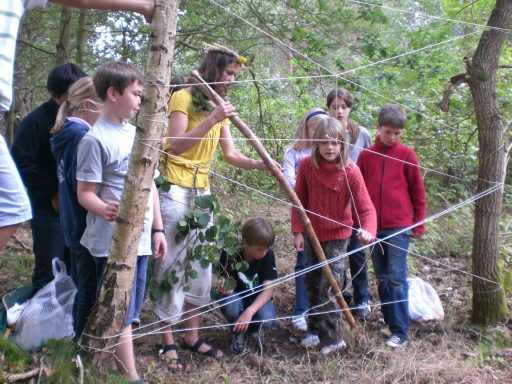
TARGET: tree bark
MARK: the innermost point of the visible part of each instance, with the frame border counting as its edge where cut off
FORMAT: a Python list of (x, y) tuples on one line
[(107, 318), (80, 38), (489, 303), (64, 36)]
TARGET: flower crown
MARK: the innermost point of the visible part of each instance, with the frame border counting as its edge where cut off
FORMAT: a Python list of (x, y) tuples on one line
[(242, 60)]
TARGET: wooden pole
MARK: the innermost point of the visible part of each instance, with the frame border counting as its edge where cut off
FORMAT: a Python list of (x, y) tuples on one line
[(208, 91)]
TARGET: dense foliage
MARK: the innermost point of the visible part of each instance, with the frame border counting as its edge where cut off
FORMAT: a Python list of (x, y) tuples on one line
[(301, 50)]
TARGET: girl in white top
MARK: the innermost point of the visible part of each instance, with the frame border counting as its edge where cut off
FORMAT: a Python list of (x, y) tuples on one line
[(294, 153)]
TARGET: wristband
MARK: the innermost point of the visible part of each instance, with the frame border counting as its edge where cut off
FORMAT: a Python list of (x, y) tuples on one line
[(154, 230)]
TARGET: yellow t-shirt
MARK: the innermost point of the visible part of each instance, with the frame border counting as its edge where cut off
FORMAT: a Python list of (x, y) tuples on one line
[(195, 162)]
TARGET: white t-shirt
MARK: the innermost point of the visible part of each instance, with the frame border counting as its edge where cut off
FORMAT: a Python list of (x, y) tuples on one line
[(292, 159), (11, 12), (103, 157), (363, 141)]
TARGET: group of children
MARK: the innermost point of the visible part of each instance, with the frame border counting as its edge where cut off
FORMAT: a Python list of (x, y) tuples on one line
[(353, 194)]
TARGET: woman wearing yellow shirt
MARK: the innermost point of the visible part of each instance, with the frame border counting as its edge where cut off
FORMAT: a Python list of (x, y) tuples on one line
[(194, 134)]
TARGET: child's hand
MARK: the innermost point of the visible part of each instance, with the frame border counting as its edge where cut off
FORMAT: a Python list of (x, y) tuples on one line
[(365, 237), (111, 210), (298, 241), (221, 287), (159, 246), (416, 235), (265, 167), (222, 111), (56, 202), (242, 323)]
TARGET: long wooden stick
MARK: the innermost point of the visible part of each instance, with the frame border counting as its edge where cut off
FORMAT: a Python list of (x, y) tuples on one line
[(276, 171)]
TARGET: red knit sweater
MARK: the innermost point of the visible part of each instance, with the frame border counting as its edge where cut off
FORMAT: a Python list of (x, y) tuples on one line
[(395, 187), (325, 192)]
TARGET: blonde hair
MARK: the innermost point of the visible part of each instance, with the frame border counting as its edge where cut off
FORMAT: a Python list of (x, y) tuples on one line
[(301, 134), (82, 89), (330, 129)]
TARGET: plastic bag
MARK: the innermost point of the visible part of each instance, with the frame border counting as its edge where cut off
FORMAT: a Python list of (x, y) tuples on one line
[(424, 303), (48, 315)]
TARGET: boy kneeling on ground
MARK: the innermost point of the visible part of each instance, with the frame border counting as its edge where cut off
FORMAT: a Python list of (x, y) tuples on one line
[(249, 306)]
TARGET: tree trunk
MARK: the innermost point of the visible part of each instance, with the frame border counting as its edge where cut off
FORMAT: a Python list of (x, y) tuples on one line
[(64, 36), (80, 38), (107, 317), (489, 303)]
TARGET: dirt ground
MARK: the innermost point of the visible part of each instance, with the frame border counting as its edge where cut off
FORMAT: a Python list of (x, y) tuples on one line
[(451, 351)]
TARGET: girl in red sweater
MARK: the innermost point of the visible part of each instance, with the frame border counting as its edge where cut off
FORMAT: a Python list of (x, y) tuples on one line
[(328, 183)]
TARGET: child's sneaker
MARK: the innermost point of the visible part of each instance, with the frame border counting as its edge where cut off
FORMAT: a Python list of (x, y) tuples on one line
[(362, 310), (396, 342), (238, 343), (335, 347), (299, 323), (311, 340)]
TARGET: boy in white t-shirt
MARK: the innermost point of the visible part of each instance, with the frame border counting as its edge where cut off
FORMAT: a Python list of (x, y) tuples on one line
[(14, 203), (102, 163)]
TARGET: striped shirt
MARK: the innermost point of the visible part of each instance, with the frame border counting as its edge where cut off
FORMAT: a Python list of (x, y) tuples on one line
[(11, 12)]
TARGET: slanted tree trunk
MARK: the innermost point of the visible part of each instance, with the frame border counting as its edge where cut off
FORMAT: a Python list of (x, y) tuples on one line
[(489, 304), (64, 36), (108, 315)]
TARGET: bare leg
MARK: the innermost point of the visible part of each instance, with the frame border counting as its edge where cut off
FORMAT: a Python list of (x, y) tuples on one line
[(124, 352), (193, 322), (5, 234)]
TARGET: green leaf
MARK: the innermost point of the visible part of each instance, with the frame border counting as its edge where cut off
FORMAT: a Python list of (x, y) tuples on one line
[(211, 233), (229, 284), (157, 293), (203, 220), (204, 263), (193, 274)]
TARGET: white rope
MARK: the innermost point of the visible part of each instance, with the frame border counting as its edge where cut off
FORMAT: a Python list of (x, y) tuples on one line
[(349, 143), (420, 14), (319, 265), (329, 70)]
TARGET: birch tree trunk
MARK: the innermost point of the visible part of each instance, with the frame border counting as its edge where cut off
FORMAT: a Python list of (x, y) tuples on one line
[(109, 314), (489, 303)]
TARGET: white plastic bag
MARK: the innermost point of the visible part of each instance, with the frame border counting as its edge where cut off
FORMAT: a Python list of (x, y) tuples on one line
[(48, 315), (424, 303)]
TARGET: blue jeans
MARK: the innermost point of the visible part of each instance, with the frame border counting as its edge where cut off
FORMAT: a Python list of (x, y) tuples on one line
[(390, 266), (301, 293), (138, 288), (265, 315), (358, 270), (48, 242), (83, 272)]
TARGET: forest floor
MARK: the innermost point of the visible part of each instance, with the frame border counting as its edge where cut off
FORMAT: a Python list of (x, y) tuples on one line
[(451, 351)]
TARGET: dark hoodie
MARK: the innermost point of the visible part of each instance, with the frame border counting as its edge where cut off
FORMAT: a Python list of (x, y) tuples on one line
[(64, 147)]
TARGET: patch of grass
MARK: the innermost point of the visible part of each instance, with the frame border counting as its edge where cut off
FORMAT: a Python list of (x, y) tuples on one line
[(13, 357)]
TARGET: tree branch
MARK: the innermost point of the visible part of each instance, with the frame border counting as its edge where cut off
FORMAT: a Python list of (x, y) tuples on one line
[(454, 82), (36, 48)]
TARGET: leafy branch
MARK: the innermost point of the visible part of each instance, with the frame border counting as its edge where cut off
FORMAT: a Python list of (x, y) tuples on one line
[(204, 243)]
